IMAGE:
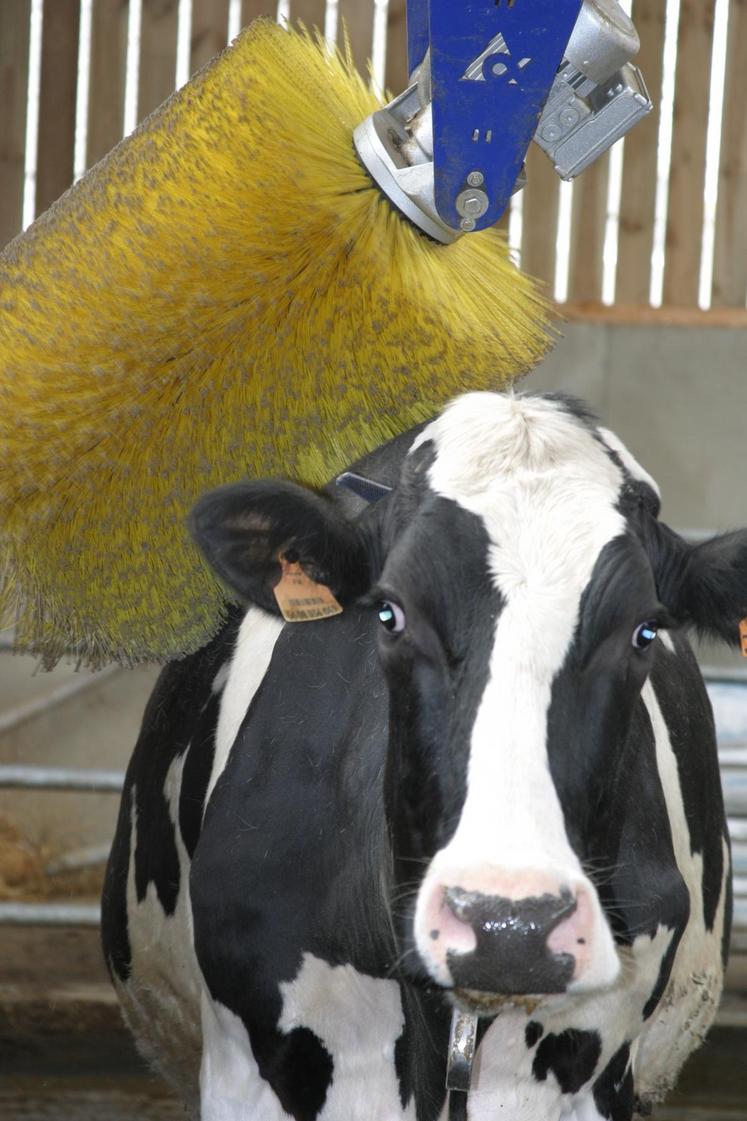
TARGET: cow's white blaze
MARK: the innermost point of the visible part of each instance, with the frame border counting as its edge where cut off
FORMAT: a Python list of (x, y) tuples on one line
[(546, 491)]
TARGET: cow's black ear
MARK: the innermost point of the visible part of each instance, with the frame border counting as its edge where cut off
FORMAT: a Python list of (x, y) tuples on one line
[(243, 529), (703, 585)]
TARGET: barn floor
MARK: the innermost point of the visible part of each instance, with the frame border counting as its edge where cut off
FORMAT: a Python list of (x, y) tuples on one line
[(65, 1056)]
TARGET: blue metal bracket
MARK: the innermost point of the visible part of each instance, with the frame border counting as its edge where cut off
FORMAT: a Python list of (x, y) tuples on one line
[(492, 66)]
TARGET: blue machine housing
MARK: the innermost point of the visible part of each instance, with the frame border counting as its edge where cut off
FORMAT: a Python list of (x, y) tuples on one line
[(492, 66)]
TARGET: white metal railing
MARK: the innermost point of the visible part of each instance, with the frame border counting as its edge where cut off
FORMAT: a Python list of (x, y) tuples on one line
[(60, 778)]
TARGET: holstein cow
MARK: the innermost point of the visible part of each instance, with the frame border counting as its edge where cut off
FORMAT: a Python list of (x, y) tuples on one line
[(490, 783)]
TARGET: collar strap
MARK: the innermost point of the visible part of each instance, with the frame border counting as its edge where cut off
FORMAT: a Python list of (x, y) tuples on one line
[(367, 489)]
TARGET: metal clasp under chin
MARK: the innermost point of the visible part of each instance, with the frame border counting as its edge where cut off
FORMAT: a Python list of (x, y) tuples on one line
[(462, 1046)]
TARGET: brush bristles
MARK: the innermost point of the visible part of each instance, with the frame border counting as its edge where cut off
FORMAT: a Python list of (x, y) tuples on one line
[(226, 294)]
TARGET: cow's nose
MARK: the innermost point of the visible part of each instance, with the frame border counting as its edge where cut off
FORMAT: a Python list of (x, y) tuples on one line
[(514, 951)]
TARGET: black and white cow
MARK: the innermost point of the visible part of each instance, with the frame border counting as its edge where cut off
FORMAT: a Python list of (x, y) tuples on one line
[(490, 782)]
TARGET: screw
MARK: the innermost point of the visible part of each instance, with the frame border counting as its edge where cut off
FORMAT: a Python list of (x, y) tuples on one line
[(475, 179), (467, 224)]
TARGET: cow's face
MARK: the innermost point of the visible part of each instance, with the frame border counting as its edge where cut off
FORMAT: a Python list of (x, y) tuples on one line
[(519, 576), (518, 622)]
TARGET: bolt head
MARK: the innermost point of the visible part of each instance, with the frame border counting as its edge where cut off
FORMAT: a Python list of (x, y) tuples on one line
[(475, 179), (467, 224), (472, 203)]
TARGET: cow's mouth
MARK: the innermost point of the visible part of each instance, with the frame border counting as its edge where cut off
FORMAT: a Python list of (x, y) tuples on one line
[(490, 1004)]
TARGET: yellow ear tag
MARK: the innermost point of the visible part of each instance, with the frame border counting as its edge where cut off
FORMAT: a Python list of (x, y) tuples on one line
[(743, 637), (299, 598)]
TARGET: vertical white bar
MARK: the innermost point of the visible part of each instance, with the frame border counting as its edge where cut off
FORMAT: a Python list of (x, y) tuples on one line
[(563, 242), (664, 152), (713, 151), (516, 227), (234, 19), (378, 46), (183, 41), (32, 112), (612, 220), (284, 12), (82, 90), (132, 68), (331, 20)]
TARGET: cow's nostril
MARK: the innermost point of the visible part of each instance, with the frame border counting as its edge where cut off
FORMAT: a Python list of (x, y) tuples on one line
[(534, 916)]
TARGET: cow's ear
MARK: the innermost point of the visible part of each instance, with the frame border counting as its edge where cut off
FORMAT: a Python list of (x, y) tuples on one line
[(245, 528), (703, 585)]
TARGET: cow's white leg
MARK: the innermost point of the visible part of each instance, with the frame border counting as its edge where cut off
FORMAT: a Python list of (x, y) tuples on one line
[(231, 1087)]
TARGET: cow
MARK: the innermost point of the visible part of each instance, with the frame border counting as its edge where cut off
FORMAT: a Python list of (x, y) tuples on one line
[(486, 788)]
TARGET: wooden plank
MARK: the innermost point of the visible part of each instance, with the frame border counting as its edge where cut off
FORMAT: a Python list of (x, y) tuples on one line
[(106, 95), (730, 253), (396, 55), (357, 17), (157, 53), (638, 198), (14, 64), (687, 174), (732, 318), (209, 31), (59, 73), (251, 9), (540, 225), (588, 222), (309, 12)]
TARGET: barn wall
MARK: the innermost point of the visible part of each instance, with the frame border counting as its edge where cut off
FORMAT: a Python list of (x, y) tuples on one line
[(659, 220)]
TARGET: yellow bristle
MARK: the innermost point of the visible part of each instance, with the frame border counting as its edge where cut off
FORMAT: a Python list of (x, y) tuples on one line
[(226, 294)]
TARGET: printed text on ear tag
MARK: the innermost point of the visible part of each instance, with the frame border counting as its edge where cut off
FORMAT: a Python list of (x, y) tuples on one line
[(743, 637), (299, 598)]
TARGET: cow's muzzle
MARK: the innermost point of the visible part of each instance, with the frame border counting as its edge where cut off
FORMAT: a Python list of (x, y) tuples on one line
[(513, 932), (512, 952)]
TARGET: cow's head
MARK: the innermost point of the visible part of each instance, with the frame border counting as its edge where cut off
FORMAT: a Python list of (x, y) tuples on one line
[(520, 576)]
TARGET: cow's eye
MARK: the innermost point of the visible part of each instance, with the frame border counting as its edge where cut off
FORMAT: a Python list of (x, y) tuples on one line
[(644, 635), (392, 617)]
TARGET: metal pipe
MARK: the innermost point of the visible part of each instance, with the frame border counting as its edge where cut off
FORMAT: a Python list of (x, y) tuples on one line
[(735, 793), (91, 857), (60, 778), (50, 914), (733, 755)]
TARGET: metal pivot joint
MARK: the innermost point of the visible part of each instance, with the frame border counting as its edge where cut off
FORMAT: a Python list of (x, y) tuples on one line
[(487, 78)]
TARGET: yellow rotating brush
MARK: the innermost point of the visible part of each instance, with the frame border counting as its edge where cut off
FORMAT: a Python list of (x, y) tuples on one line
[(226, 294)]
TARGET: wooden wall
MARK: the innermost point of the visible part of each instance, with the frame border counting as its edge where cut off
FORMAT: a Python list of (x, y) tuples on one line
[(588, 217)]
